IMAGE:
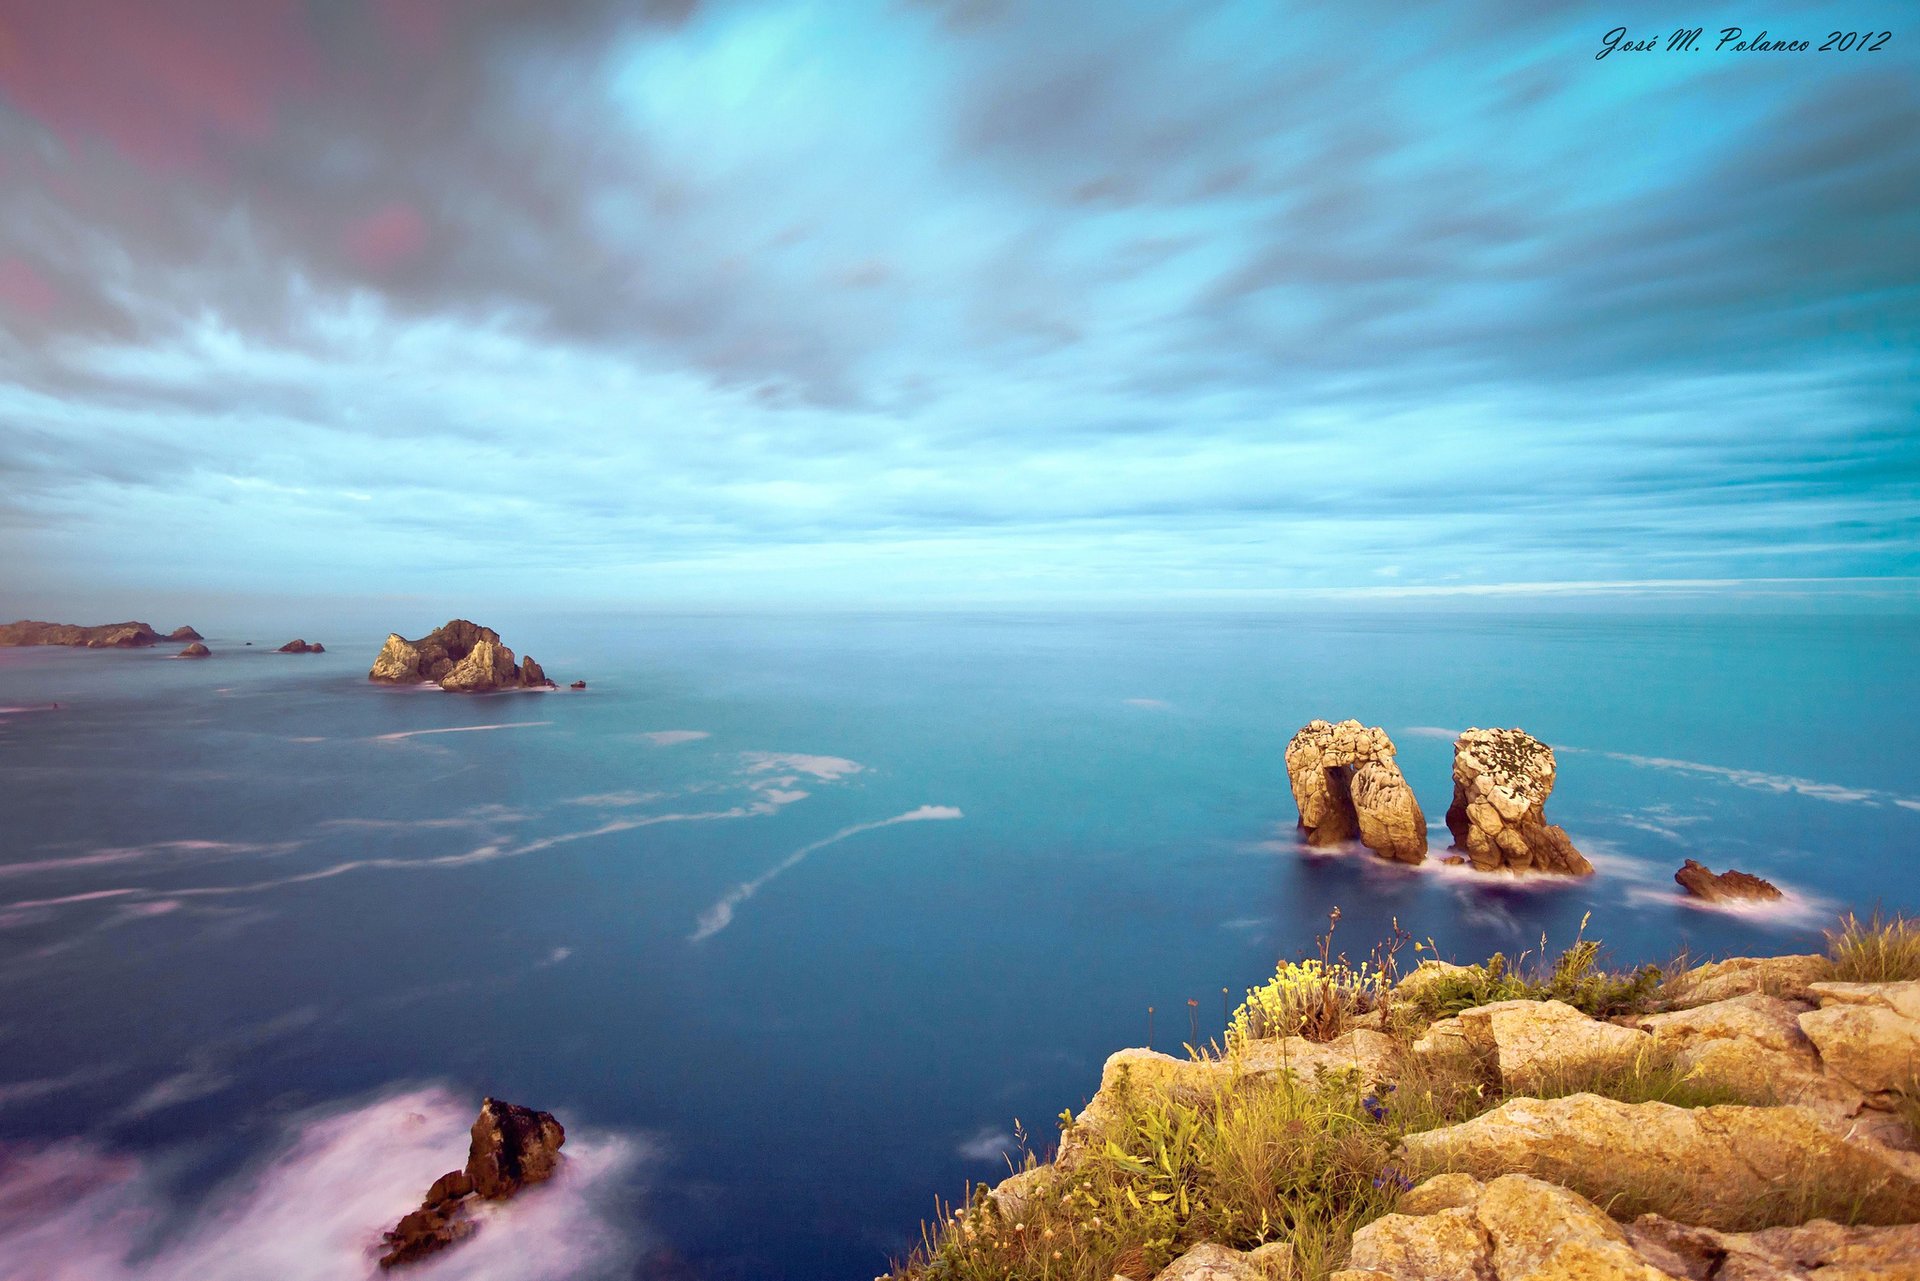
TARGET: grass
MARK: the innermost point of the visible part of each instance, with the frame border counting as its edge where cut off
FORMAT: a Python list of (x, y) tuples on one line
[(1318, 999), (1880, 949), (1575, 977), (1649, 1078)]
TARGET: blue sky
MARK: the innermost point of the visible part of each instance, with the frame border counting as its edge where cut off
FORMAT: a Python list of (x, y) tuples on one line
[(731, 303)]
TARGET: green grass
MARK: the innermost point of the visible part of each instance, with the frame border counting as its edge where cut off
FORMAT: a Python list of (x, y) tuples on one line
[(1574, 977), (1880, 949), (1649, 1078)]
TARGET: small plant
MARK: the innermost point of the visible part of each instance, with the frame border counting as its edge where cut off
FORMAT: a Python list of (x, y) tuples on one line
[(1880, 949), (1575, 977), (1318, 998), (1648, 1078)]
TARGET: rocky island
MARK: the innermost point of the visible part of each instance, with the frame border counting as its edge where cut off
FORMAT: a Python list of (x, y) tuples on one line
[(1501, 781), (461, 656), (128, 635), (301, 647), (511, 1147), (195, 650), (1699, 880), (1346, 785)]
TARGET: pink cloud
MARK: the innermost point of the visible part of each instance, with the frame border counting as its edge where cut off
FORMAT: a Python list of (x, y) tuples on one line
[(23, 289), (388, 237)]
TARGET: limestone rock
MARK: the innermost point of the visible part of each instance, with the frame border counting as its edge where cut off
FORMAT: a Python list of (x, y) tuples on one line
[(1820, 1249), (1787, 977), (1752, 1044), (1529, 1043), (106, 636), (184, 634), (510, 1146), (1213, 1263), (1511, 1228), (1425, 975), (195, 650), (1717, 1166), (1501, 781), (1347, 786), (531, 676), (1868, 1034), (301, 647), (460, 656), (1699, 880)]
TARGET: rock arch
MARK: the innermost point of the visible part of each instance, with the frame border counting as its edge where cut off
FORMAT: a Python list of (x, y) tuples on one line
[(1348, 787)]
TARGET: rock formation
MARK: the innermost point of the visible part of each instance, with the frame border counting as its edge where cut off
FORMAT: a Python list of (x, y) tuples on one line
[(511, 1147), (1347, 785), (1501, 781), (105, 636), (1698, 880), (578, 685), (195, 650), (461, 656), (301, 647)]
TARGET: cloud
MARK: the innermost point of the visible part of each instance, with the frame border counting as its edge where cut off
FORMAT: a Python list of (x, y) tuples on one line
[(989, 1143), (316, 1205)]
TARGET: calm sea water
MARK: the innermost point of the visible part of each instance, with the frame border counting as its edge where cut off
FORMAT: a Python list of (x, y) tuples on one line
[(790, 918)]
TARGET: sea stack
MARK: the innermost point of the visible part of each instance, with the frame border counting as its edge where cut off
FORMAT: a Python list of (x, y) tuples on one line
[(184, 634), (195, 650), (301, 647), (1347, 785), (461, 656), (511, 1147), (1501, 781), (1698, 879)]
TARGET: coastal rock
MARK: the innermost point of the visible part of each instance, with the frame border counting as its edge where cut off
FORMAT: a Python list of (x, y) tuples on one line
[(1427, 974), (1501, 781), (510, 1146), (1868, 1034), (461, 656), (106, 636), (1510, 1228), (578, 685), (1347, 786), (1529, 1043), (1753, 1045), (301, 647), (531, 676), (184, 634), (1788, 977), (1699, 880), (195, 650), (1816, 1250), (1213, 1263), (1719, 1166)]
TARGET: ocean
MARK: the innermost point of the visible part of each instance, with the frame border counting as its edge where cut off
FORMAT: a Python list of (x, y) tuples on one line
[(788, 918)]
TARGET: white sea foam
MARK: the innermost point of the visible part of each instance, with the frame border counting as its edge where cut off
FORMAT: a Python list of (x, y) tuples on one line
[(1760, 780), (670, 737), (315, 1209), (828, 769), (720, 915), (456, 729), (1152, 704)]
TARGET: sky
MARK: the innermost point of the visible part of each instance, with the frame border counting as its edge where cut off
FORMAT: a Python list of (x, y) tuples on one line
[(924, 302)]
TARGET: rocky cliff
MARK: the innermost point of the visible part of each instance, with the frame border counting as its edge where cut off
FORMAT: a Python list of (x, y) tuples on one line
[(461, 656), (106, 636)]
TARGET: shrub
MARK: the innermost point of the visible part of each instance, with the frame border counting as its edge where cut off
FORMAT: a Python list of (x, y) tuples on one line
[(1574, 977), (1881, 949)]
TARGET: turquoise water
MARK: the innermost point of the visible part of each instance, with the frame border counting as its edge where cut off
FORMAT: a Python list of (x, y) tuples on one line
[(789, 918)]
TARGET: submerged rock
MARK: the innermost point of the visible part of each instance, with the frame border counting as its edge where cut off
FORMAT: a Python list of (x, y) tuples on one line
[(195, 650), (301, 647), (1698, 879), (461, 656), (1347, 786), (511, 1146), (128, 635), (1501, 781)]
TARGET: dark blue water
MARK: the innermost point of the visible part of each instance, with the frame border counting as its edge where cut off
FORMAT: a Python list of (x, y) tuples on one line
[(260, 927)]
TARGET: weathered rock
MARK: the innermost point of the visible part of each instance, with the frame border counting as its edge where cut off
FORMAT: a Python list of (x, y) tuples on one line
[(1531, 1043), (1511, 1228), (1788, 977), (1501, 781), (509, 1147), (1821, 1250), (1426, 975), (1347, 786), (1699, 880), (105, 636), (512, 1146), (184, 634), (1364, 1053), (301, 647), (195, 650), (578, 685), (531, 676), (1868, 1034), (1751, 1044), (1213, 1263), (460, 656), (1722, 1166)]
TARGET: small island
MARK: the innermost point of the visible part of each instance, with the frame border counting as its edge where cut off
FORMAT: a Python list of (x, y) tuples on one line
[(461, 656), (128, 635)]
